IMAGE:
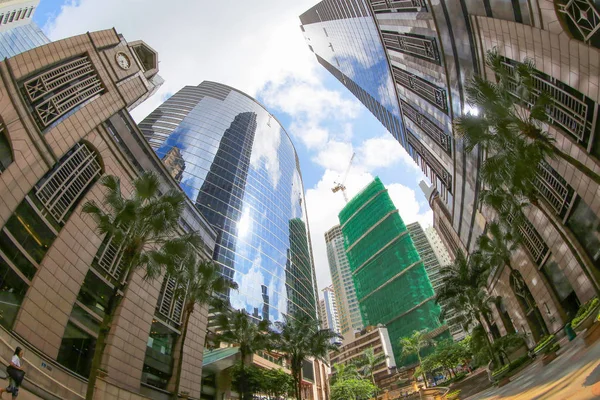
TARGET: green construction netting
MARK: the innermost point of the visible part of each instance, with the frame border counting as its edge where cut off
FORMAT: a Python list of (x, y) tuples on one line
[(392, 286)]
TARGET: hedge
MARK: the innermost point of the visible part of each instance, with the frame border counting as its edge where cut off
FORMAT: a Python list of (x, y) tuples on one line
[(512, 366), (543, 341), (584, 311)]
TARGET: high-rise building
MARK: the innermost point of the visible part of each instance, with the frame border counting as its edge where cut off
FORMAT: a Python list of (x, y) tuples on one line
[(21, 38), (433, 268), (438, 246), (431, 50), (392, 286), (343, 286), (69, 128), (329, 311), (16, 13), (242, 172)]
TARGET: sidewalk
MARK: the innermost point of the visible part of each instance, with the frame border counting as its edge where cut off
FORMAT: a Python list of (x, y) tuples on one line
[(574, 375)]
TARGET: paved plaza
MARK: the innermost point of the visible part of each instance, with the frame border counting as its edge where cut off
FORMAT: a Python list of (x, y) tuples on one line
[(575, 374)]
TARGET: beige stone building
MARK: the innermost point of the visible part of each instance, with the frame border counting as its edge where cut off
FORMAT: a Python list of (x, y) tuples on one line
[(63, 124)]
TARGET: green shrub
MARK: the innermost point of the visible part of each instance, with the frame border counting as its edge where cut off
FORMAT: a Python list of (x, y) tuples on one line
[(511, 367), (457, 378), (543, 341), (584, 311), (453, 395)]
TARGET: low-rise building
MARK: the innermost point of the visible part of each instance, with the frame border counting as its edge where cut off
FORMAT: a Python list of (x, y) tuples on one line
[(63, 125)]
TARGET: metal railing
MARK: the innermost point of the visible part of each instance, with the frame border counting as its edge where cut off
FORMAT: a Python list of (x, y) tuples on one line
[(430, 160), (429, 128), (554, 189), (170, 307), (428, 91), (387, 6), (416, 45)]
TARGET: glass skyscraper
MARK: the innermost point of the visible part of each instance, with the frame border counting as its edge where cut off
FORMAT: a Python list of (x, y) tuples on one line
[(20, 39), (238, 164), (349, 48)]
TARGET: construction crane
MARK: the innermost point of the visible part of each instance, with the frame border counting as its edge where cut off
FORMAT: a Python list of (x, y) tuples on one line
[(341, 185)]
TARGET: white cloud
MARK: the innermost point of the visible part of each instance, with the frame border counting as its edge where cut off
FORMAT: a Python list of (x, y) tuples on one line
[(384, 151), (240, 43)]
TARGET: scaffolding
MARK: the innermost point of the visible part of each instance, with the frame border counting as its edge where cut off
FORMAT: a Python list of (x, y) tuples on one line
[(392, 285)]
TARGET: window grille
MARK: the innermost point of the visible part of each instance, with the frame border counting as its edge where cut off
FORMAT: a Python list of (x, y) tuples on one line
[(387, 6), (433, 131), (109, 259), (553, 187), (531, 239), (67, 182), (421, 87), (584, 18), (169, 306), (571, 111), (430, 160), (55, 92), (415, 45)]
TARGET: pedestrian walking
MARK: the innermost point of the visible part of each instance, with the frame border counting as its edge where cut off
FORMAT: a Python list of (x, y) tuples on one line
[(15, 374)]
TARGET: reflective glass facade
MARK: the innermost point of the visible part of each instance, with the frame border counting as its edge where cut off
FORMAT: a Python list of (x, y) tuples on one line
[(20, 39), (239, 165), (346, 41)]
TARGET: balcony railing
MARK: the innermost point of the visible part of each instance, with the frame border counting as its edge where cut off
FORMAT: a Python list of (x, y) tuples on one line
[(424, 47), (427, 90), (388, 6), (429, 128)]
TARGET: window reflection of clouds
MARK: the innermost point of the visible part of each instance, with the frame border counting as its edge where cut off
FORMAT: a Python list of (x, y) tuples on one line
[(262, 194), (354, 47)]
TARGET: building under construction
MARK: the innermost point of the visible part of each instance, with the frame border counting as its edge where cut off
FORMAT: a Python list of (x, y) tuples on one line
[(392, 286)]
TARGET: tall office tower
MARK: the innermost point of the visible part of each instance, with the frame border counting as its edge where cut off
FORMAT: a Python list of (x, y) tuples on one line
[(239, 166), (433, 266), (343, 286), (21, 38), (330, 311), (392, 286), (431, 50), (16, 13), (68, 128)]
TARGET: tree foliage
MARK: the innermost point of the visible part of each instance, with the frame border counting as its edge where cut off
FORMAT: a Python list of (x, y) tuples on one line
[(144, 227), (352, 389)]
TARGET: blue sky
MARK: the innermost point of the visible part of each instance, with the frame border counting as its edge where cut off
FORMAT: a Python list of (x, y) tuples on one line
[(259, 49)]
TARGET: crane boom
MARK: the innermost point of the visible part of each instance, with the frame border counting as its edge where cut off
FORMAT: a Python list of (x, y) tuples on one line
[(341, 185)]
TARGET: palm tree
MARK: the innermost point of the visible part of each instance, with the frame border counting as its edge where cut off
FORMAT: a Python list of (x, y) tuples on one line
[(369, 361), (236, 327), (498, 245), (144, 227), (300, 338), (511, 108), (414, 344), (200, 283), (463, 284), (343, 372)]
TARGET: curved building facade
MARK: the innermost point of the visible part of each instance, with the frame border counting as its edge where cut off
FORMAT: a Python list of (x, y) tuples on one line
[(238, 164)]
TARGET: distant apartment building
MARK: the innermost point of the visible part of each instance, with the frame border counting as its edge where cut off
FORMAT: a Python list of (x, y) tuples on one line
[(376, 338), (439, 248), (409, 62), (64, 125), (16, 13), (433, 268), (392, 285), (343, 286)]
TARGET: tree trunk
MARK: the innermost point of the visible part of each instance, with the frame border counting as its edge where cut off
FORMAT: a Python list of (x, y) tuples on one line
[(421, 365), (189, 309), (105, 327), (489, 345)]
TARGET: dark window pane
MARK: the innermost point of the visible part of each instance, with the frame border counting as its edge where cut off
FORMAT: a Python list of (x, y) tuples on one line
[(12, 291), (158, 364), (5, 153), (77, 350), (94, 293), (15, 256), (585, 225), (85, 318), (30, 231)]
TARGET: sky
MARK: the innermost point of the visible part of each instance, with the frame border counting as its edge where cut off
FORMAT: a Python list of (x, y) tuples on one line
[(257, 47)]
